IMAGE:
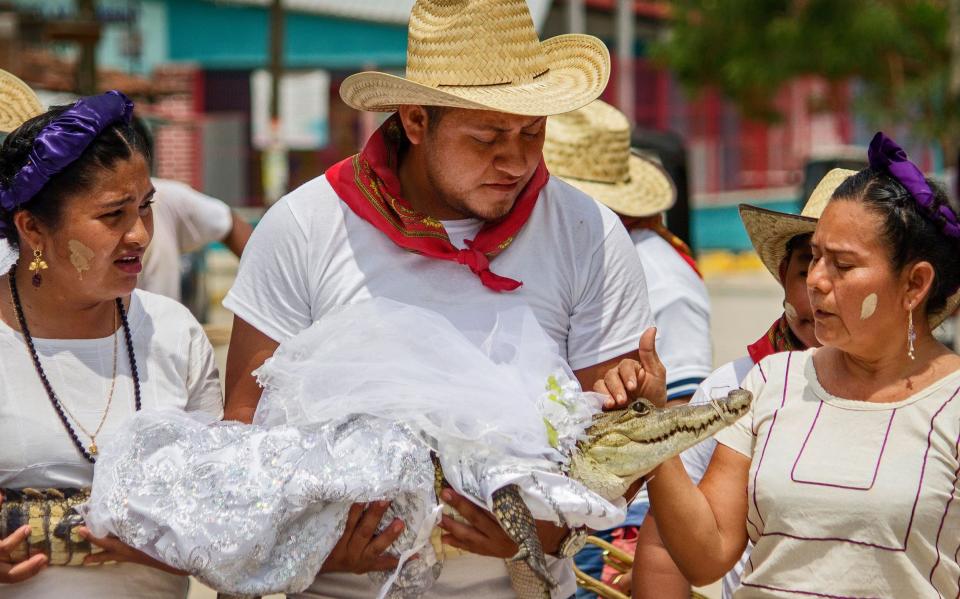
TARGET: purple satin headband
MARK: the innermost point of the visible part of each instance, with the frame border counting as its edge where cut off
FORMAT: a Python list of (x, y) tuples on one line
[(62, 142), (884, 154)]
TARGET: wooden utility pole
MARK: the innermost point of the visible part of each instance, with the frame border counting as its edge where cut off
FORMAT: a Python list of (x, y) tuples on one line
[(276, 59), (83, 30), (576, 17), (274, 165), (87, 65), (626, 98), (951, 139)]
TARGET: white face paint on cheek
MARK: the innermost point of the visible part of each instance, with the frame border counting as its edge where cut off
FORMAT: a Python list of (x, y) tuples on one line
[(868, 307), (790, 311), (80, 256)]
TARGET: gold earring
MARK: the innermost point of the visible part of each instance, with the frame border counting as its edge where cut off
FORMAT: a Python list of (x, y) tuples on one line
[(36, 265)]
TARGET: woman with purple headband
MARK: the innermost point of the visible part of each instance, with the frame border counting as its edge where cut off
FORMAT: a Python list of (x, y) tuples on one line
[(82, 349), (844, 472)]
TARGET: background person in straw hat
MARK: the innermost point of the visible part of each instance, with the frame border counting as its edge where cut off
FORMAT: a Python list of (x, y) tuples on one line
[(17, 103), (783, 243), (450, 204), (843, 472), (590, 149)]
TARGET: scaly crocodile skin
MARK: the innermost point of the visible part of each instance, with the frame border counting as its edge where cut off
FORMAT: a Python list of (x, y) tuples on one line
[(53, 524)]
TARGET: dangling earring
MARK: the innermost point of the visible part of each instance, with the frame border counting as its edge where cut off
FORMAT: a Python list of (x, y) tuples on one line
[(36, 265), (911, 337)]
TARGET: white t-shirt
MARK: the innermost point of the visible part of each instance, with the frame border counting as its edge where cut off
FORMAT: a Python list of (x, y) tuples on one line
[(184, 220), (681, 309), (176, 367), (848, 498), (722, 381), (580, 275)]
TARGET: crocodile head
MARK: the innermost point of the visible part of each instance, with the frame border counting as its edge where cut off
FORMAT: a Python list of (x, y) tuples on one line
[(623, 445)]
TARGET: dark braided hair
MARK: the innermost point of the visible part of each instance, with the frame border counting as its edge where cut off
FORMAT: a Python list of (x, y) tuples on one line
[(117, 142), (910, 233)]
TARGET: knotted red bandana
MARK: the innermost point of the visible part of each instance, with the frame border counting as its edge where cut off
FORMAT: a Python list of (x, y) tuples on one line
[(778, 338), (367, 182)]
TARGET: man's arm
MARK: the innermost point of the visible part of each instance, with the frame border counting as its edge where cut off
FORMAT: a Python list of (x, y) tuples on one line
[(249, 349), (239, 234)]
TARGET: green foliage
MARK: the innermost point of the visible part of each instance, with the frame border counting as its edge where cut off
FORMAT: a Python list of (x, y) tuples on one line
[(897, 50)]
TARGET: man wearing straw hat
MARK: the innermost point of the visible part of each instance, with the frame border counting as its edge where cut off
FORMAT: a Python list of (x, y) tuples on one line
[(450, 204), (783, 243), (590, 149)]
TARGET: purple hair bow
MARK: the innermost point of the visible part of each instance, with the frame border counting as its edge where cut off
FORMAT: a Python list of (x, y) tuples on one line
[(61, 142), (884, 154)]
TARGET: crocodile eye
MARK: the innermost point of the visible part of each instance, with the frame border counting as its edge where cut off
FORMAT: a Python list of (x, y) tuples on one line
[(641, 408)]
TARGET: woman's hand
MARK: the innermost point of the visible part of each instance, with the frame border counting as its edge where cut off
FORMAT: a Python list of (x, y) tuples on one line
[(360, 549), (10, 573), (645, 377), (115, 550)]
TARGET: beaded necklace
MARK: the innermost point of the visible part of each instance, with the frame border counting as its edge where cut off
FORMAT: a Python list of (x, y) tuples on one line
[(18, 309)]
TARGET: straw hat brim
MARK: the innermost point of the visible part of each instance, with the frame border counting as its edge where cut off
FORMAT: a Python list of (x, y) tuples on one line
[(649, 190), (578, 70), (770, 231), (18, 103)]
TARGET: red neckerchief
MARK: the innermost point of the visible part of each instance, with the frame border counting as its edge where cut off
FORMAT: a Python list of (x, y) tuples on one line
[(778, 338), (368, 183), (677, 244)]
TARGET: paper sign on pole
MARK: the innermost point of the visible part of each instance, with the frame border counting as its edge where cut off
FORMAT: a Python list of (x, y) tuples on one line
[(304, 109)]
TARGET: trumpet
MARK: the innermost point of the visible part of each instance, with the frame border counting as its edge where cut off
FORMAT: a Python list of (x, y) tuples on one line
[(616, 558), (619, 560)]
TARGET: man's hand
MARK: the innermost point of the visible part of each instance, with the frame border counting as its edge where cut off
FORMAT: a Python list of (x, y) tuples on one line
[(645, 377), (483, 535), (623, 583), (10, 573), (360, 549)]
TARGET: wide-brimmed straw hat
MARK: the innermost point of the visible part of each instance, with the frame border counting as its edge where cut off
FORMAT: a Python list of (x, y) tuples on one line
[(485, 55), (770, 231), (590, 149), (18, 102)]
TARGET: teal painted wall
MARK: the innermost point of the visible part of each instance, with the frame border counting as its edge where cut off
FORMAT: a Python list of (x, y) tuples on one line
[(224, 36), (720, 227)]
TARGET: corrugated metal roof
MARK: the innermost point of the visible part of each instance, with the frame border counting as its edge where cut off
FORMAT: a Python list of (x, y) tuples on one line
[(384, 11)]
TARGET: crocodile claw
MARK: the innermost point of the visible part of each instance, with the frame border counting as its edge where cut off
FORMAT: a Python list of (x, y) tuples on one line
[(516, 520)]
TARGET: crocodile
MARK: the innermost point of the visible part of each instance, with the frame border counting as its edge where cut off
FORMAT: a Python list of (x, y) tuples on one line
[(53, 520), (620, 447)]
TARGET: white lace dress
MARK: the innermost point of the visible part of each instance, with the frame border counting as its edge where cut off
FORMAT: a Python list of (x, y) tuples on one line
[(351, 411)]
